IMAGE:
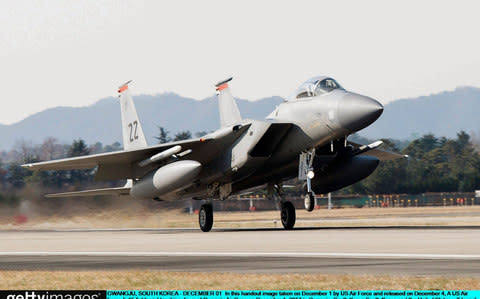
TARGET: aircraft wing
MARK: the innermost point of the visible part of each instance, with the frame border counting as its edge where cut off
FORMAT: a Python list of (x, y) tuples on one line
[(118, 157), (369, 150), (125, 164)]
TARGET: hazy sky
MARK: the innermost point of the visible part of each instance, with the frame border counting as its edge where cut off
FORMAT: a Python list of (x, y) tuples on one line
[(73, 53)]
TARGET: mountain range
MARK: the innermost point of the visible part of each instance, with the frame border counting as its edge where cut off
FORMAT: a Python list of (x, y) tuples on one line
[(443, 114)]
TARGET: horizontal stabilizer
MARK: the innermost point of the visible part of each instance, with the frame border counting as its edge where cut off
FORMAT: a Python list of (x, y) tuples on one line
[(106, 191)]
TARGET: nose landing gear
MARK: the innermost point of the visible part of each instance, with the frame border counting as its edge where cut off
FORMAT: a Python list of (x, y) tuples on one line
[(306, 172), (309, 201)]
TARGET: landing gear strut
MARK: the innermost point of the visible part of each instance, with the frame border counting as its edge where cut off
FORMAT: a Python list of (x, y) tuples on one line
[(205, 217), (306, 172), (288, 215)]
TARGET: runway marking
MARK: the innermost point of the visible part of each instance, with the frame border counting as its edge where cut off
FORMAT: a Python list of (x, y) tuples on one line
[(243, 254)]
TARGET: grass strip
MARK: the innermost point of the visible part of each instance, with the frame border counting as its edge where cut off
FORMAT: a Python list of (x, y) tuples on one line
[(137, 279)]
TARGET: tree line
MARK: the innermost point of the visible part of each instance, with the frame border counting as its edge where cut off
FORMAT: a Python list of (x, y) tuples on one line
[(434, 164), (13, 176), (164, 135)]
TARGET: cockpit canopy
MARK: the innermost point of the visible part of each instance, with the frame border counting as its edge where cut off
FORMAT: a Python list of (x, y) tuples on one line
[(316, 86)]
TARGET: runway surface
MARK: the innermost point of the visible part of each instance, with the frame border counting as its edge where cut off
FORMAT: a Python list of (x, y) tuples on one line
[(429, 251)]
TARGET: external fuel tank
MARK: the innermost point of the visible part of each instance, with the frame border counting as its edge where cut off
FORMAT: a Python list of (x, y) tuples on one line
[(166, 179)]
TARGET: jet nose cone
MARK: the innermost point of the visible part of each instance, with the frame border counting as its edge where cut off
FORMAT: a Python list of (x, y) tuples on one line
[(357, 112)]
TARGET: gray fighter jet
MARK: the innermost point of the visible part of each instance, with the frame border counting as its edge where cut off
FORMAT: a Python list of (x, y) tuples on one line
[(304, 137)]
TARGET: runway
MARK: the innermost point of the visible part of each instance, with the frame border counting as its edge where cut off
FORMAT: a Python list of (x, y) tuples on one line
[(426, 251)]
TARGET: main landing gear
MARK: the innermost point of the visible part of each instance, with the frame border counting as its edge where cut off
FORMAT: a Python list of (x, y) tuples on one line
[(205, 217), (287, 215), (287, 212)]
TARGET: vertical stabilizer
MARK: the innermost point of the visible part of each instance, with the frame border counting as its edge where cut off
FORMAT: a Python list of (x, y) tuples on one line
[(133, 137), (229, 113)]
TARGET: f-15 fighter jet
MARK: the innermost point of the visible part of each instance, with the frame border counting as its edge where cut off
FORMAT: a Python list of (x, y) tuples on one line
[(304, 137)]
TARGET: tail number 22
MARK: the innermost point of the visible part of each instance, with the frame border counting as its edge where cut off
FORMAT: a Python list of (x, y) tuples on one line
[(133, 130)]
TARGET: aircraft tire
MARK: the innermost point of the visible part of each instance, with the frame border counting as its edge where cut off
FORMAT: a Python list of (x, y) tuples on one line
[(309, 201), (205, 217), (287, 215)]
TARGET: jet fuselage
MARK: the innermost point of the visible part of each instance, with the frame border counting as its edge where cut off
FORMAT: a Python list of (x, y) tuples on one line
[(316, 122)]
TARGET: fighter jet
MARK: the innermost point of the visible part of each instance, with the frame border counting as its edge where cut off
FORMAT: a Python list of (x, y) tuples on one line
[(304, 137)]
